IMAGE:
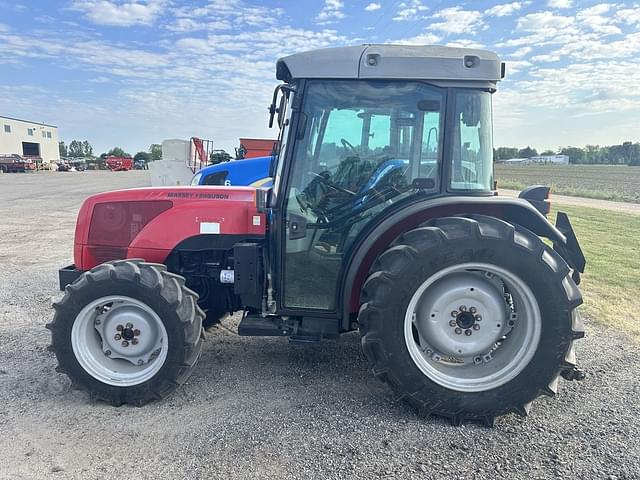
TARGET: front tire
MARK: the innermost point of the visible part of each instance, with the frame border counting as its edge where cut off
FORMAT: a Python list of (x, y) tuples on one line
[(470, 318), (127, 332)]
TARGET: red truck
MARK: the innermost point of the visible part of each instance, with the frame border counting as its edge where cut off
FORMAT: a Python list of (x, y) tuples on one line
[(16, 164), (119, 164)]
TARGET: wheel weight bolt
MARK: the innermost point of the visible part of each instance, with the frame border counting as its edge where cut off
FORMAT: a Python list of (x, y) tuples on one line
[(452, 323), (125, 343), (458, 331), (468, 332), (476, 327), (117, 336)]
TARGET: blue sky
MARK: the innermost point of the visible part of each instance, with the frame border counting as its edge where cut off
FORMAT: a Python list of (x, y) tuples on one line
[(131, 73)]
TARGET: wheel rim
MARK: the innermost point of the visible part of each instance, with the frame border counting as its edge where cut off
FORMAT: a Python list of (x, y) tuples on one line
[(472, 327), (119, 340)]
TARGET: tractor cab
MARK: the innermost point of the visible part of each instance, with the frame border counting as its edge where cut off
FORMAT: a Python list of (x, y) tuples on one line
[(363, 131)]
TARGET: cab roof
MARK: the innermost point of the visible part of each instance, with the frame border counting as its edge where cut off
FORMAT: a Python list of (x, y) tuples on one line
[(398, 62)]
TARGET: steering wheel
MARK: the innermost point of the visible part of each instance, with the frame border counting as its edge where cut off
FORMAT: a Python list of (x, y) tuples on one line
[(330, 184), (346, 144)]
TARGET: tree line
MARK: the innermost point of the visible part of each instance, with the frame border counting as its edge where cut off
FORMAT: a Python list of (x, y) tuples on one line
[(83, 149), (627, 153)]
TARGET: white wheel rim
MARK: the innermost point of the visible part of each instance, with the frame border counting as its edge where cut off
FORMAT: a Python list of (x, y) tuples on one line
[(98, 342), (507, 334)]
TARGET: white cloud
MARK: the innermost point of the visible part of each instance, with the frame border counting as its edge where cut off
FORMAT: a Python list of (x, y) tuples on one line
[(372, 7), (331, 12), (597, 20), (457, 20), (506, 9), (410, 10), (123, 14), (560, 3), (629, 15), (422, 39), (543, 20)]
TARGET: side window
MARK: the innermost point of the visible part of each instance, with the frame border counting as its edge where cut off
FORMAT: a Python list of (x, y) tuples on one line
[(7, 129), (472, 159), (217, 178), (343, 133)]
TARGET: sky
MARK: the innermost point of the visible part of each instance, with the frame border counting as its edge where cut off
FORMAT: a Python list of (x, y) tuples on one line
[(133, 72)]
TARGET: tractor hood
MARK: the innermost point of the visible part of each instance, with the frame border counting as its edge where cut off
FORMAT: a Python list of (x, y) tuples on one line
[(150, 222)]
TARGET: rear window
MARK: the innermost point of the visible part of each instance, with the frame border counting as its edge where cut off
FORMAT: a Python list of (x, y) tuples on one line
[(217, 178)]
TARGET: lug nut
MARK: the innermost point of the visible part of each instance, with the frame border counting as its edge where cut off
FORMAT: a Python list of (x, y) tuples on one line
[(477, 360), (478, 318), (134, 341), (117, 336), (458, 331), (468, 332), (454, 313), (462, 308), (125, 343), (452, 323), (140, 362), (136, 332), (108, 353), (129, 325), (119, 328), (472, 310), (476, 326)]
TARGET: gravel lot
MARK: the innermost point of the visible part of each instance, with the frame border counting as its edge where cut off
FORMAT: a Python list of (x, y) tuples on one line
[(264, 408)]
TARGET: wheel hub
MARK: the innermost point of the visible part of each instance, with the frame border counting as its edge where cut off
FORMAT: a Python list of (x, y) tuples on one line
[(462, 315), (121, 328)]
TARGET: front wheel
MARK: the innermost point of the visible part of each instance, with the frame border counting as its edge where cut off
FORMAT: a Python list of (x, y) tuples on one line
[(127, 332), (470, 318)]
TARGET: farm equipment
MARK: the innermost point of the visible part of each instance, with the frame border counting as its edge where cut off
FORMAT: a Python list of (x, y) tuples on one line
[(16, 164), (382, 218), (119, 164)]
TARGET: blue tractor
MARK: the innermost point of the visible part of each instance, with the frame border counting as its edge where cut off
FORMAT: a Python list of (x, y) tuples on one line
[(251, 171)]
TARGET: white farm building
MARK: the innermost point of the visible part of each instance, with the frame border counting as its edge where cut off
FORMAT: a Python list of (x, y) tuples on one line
[(29, 139)]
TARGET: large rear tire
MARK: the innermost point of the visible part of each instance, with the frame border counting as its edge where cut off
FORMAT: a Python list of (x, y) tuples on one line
[(470, 318), (127, 332)]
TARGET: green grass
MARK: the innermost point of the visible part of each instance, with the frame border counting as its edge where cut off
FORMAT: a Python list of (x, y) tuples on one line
[(610, 284), (606, 182)]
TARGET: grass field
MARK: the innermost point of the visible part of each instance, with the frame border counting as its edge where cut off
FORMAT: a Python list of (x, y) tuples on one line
[(610, 285), (607, 182)]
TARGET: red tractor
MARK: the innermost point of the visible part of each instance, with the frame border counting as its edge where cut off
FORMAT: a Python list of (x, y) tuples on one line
[(383, 218)]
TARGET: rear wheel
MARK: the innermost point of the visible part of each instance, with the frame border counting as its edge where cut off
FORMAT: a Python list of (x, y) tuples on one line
[(470, 318), (127, 332)]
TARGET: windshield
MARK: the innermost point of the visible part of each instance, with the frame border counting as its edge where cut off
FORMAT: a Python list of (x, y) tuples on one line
[(363, 146)]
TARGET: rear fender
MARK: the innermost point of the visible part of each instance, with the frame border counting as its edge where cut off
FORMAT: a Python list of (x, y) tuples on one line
[(374, 240)]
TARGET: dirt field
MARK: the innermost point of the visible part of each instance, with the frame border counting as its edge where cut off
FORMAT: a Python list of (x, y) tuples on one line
[(264, 408), (607, 182)]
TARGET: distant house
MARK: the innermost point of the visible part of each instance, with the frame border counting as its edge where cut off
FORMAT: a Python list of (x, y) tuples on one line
[(556, 159), (543, 159), (29, 139)]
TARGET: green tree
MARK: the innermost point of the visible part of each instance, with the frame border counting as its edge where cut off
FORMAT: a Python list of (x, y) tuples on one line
[(62, 148), (88, 149), (505, 153), (575, 154), (527, 152), (142, 156), (117, 152), (548, 153), (155, 149)]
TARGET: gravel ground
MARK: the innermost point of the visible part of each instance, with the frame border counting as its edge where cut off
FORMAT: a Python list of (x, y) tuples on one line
[(264, 408)]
